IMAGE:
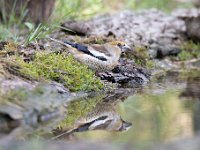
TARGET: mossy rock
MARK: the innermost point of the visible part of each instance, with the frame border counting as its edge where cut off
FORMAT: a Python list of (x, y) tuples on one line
[(60, 68), (141, 57)]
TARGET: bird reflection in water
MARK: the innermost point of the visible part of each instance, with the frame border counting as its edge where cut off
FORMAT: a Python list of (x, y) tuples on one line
[(103, 117)]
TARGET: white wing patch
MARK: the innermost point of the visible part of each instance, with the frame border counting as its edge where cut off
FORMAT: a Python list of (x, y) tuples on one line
[(97, 53)]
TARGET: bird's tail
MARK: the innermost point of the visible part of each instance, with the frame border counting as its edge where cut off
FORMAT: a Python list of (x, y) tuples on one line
[(61, 42), (71, 44)]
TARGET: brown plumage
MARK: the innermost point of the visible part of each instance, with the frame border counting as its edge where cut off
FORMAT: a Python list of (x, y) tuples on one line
[(103, 117), (98, 57)]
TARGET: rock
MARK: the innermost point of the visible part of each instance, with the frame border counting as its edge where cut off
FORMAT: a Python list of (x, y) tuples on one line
[(46, 103), (146, 28), (28, 103), (196, 63), (127, 75), (191, 17), (157, 50)]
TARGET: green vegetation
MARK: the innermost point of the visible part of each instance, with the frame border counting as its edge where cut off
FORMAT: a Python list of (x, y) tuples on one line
[(78, 109), (76, 9), (79, 9), (165, 5), (63, 69), (87, 8), (36, 33), (8, 49), (9, 28), (5, 34), (14, 20), (190, 50), (50, 66), (141, 57)]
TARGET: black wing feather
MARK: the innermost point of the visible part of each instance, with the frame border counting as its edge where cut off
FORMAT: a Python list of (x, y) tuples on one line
[(84, 49)]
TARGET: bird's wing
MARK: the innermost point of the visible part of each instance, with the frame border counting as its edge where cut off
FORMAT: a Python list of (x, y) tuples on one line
[(100, 125), (88, 50), (99, 50), (79, 47)]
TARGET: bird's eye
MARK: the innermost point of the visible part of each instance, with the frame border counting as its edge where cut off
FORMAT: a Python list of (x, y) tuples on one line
[(119, 44)]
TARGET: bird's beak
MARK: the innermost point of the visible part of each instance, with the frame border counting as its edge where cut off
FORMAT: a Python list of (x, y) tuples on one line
[(125, 126), (125, 48)]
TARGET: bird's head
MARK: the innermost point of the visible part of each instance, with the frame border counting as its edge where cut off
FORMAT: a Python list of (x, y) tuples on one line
[(122, 45), (125, 125)]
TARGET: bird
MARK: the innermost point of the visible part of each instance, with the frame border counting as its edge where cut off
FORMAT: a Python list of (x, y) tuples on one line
[(103, 117), (100, 58)]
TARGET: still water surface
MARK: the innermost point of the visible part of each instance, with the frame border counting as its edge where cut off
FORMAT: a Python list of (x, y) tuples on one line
[(159, 114)]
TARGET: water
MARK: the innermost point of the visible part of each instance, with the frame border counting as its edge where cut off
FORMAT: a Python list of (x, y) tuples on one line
[(165, 110), (159, 114)]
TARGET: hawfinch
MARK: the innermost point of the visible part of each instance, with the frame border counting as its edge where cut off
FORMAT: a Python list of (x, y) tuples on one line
[(103, 117), (98, 57)]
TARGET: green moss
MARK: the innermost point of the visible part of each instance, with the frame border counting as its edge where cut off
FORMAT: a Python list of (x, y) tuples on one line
[(190, 50), (61, 68), (150, 64), (141, 57), (79, 108)]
